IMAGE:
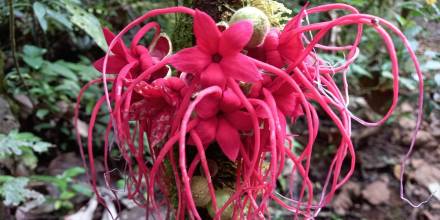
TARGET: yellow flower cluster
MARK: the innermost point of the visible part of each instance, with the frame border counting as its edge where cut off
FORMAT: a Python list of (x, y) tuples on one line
[(431, 2), (276, 11)]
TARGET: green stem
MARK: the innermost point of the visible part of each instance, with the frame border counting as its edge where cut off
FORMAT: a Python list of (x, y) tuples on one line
[(13, 44)]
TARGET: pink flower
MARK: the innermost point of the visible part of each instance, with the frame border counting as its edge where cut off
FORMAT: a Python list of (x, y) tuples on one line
[(281, 48), (217, 54), (145, 58), (155, 106), (290, 44), (269, 52), (222, 120), (286, 99)]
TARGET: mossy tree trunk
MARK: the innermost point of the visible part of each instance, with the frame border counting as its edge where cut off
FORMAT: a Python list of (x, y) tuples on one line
[(183, 37), (219, 10)]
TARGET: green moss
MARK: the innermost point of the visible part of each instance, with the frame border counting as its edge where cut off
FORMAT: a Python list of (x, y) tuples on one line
[(219, 10), (169, 179), (183, 35)]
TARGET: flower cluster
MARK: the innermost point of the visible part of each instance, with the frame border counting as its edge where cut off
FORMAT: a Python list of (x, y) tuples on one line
[(236, 98)]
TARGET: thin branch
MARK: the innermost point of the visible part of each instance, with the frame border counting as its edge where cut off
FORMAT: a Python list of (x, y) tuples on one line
[(13, 44)]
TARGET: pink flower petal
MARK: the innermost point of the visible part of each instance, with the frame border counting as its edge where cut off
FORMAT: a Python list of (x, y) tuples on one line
[(213, 75), (291, 48), (175, 83), (119, 48), (235, 38), (230, 101), (160, 127), (160, 73), (240, 120), (255, 90), (146, 61), (148, 90), (271, 44), (161, 47), (240, 67), (265, 138), (288, 104), (228, 139), (206, 32), (274, 58), (114, 64), (295, 21), (283, 125), (272, 40), (290, 44), (261, 113), (208, 106), (286, 98), (257, 53), (191, 60), (207, 130)]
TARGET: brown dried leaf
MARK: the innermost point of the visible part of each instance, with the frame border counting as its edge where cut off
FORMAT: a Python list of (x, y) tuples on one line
[(376, 193)]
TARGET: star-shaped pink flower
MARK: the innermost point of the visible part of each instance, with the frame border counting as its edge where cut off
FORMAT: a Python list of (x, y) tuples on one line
[(222, 120), (216, 55)]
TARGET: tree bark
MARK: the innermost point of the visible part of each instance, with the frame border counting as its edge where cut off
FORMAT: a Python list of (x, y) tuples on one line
[(219, 10)]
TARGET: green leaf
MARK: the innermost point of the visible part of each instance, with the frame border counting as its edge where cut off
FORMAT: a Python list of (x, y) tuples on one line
[(10, 145), (357, 3), (72, 172), (437, 79), (57, 205), (40, 12), (432, 65), (14, 142), (83, 189), (14, 192), (33, 62), (120, 184), (430, 53), (29, 159), (400, 19), (41, 146), (60, 18), (33, 51), (414, 44), (413, 31), (361, 71), (41, 113), (68, 86), (60, 68), (66, 195), (32, 56), (87, 22)]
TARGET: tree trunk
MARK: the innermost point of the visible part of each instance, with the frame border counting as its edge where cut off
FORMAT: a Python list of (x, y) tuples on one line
[(183, 37), (219, 10)]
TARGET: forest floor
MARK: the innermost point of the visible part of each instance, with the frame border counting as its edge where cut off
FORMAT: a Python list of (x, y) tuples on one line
[(374, 190)]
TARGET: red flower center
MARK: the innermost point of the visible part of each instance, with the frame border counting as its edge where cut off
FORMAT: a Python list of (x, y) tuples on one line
[(216, 58)]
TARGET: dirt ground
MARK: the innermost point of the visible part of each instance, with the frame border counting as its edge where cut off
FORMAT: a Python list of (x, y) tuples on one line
[(374, 190)]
